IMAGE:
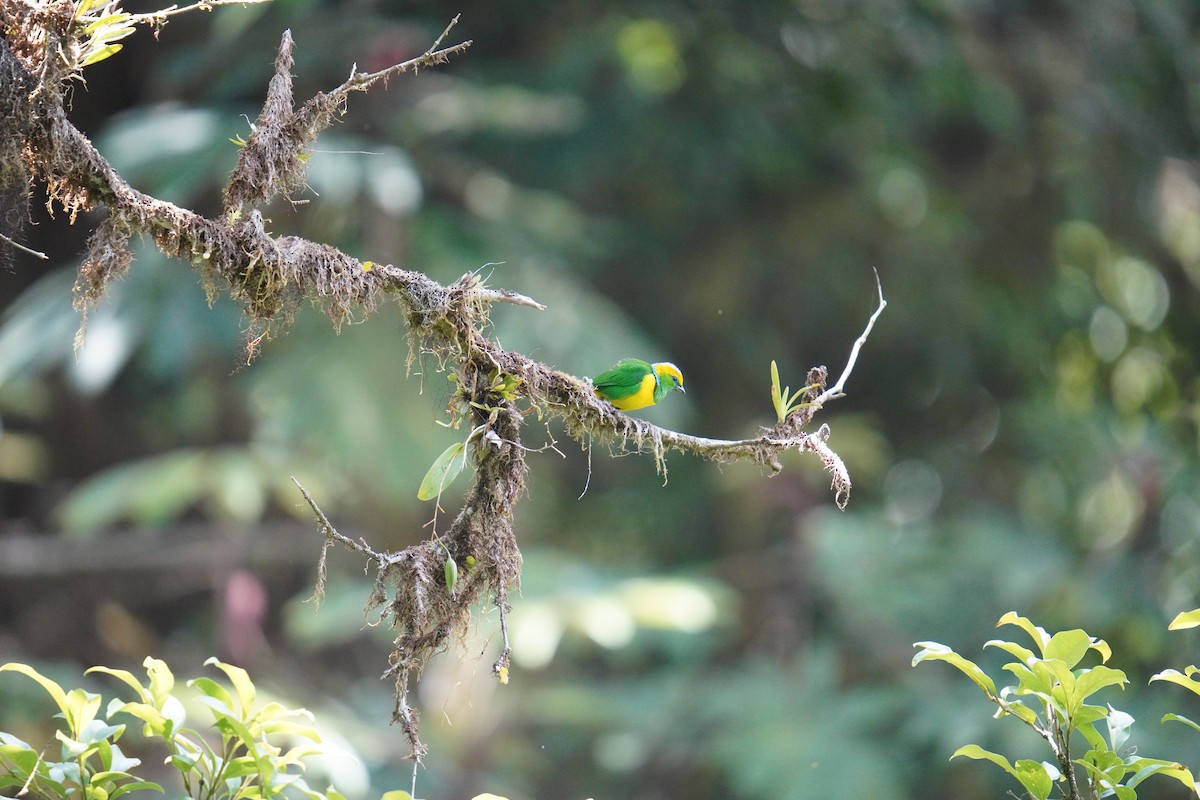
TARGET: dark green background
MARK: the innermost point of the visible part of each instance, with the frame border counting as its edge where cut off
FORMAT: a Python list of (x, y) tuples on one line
[(709, 183)]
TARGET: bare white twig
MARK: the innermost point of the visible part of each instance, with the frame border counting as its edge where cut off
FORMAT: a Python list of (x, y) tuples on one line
[(506, 296), (835, 391), (25, 249), (438, 41)]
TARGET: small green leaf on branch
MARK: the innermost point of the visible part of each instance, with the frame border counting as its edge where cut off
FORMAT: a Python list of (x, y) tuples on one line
[(444, 470)]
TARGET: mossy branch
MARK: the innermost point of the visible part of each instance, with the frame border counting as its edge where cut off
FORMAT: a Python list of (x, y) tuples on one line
[(273, 159), (271, 276)]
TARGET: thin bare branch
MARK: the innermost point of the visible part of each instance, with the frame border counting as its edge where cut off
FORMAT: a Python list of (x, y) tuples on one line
[(361, 81), (836, 390), (23, 248), (441, 38), (331, 532), (506, 296), (159, 17)]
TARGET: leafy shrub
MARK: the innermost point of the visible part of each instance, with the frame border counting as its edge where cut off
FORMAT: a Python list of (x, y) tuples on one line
[(245, 755), (1050, 695)]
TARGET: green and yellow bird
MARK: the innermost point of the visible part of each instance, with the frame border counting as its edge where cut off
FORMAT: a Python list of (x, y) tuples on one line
[(634, 384)]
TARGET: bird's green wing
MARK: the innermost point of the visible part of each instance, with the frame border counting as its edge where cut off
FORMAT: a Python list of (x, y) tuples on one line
[(623, 379)]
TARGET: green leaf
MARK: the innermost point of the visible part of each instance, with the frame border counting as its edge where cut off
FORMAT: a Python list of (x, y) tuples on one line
[(109, 778), (287, 728), (1034, 777), (1089, 714), (1023, 654), (242, 766), (109, 28), (1063, 689), (125, 677), (1106, 772), (933, 651), (156, 723), (274, 713), (96, 731), (233, 727), (1030, 681), (396, 795), (444, 470), (100, 54), (1174, 676), (1187, 619), (84, 6), (162, 681), (1093, 736), (1039, 635), (297, 754), (53, 689), (776, 394), (214, 692), (135, 786), (978, 753), (1068, 646), (241, 683), (121, 762), (72, 748), (1093, 680), (184, 762), (1180, 718), (23, 757), (1108, 763), (1022, 712), (81, 709), (1145, 767)]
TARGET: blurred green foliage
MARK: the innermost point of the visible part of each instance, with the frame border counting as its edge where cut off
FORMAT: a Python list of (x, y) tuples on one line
[(709, 183), (252, 748)]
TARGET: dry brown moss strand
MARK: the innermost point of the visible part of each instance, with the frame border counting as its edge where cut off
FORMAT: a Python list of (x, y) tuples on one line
[(108, 258), (269, 162)]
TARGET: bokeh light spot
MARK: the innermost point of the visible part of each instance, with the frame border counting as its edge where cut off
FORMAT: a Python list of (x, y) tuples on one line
[(606, 622), (903, 197), (1137, 377), (1107, 333), (650, 52), (535, 631), (1109, 511), (912, 492), (670, 604), (1042, 498), (1137, 289)]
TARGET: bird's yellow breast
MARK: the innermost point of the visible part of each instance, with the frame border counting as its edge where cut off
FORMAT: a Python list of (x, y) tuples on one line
[(643, 397)]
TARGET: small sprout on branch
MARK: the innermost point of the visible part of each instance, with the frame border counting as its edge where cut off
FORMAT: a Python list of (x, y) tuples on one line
[(502, 388), (450, 569), (784, 402)]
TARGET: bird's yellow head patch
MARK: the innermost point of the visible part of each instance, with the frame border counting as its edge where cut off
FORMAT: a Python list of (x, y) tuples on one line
[(669, 374)]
